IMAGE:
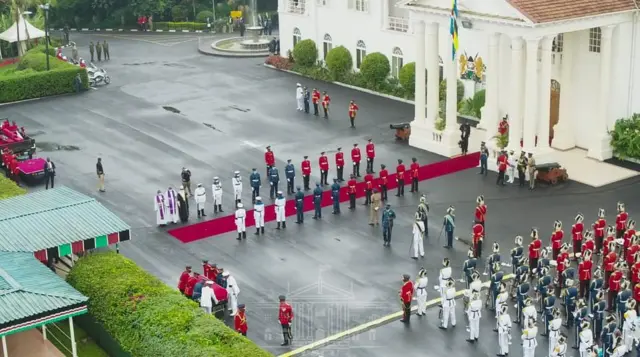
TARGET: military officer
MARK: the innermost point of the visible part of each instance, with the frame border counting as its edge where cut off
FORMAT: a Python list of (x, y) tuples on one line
[(469, 267), (504, 331), (237, 187), (516, 254), (306, 172), (317, 201), (400, 172), (607, 336), (351, 189), (384, 181), (241, 221), (609, 263), (340, 164), (274, 179), (449, 226), (621, 220), (543, 262), (596, 286), (535, 249), (624, 296), (368, 189), (569, 294), (615, 285), (529, 311), (569, 272), (323, 162), (376, 204), (556, 239), (522, 292), (415, 174), (443, 277), (201, 199), (494, 257), (598, 310), (501, 299), (477, 239), (406, 296), (335, 196), (584, 272), (217, 195), (299, 206), (105, 47), (474, 313), (629, 325), (529, 341), (586, 338), (388, 216), (552, 320), (554, 324), (581, 315), (256, 182), (522, 269), (91, 50), (496, 279), (290, 173), (99, 51), (371, 155), (560, 349), (355, 158), (269, 160), (449, 305), (577, 234), (280, 210), (423, 210), (544, 287), (599, 228), (258, 215), (421, 291)]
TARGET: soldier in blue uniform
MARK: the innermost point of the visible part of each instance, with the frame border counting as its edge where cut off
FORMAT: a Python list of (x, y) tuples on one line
[(496, 279), (569, 294), (543, 262), (598, 309), (388, 216), (607, 336), (624, 296), (597, 284), (568, 273), (522, 292), (516, 254), (548, 302), (299, 205), (274, 179), (335, 196), (494, 258), (317, 201), (469, 266), (544, 287), (582, 313), (254, 180), (523, 268), (290, 173), (449, 226)]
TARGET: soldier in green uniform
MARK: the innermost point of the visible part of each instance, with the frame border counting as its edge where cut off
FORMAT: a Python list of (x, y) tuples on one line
[(335, 196), (91, 49), (299, 197), (99, 51), (105, 48)]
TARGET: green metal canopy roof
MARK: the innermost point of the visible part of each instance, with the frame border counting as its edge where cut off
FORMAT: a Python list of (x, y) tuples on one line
[(32, 295), (57, 218)]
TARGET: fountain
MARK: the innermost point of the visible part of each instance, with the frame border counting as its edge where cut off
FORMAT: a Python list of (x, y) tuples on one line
[(252, 45)]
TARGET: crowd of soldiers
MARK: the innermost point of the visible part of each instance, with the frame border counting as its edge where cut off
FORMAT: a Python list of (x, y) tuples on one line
[(599, 309), (304, 100)]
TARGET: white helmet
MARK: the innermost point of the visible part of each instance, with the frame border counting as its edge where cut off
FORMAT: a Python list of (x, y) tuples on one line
[(557, 225), (450, 210), (611, 231), (518, 240), (534, 233), (496, 247), (480, 200), (601, 213), (240, 205), (620, 207), (579, 218)]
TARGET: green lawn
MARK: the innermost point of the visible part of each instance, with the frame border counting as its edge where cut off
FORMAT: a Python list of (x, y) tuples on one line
[(9, 189), (8, 68), (85, 345)]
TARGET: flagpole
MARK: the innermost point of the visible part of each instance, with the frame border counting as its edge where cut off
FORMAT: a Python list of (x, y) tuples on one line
[(452, 77)]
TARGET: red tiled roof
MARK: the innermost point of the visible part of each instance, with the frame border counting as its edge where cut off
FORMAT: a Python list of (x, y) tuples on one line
[(540, 11)]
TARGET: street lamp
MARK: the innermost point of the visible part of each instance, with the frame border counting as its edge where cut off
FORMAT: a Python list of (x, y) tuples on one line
[(45, 7)]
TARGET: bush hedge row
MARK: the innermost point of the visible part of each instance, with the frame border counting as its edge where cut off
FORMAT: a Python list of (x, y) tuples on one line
[(179, 26), (148, 318), (30, 84)]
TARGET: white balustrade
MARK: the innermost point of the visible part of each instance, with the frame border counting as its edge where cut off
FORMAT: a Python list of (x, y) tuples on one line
[(399, 24)]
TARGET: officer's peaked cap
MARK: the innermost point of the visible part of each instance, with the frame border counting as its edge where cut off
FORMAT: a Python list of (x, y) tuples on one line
[(241, 306), (282, 297)]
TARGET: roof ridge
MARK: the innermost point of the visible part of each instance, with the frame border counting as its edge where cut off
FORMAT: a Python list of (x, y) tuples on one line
[(88, 200), (79, 298), (9, 279)]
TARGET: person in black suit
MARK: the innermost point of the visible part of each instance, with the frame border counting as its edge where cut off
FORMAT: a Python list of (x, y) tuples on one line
[(465, 132), (49, 173)]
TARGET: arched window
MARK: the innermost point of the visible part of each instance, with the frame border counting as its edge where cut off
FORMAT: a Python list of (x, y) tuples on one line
[(396, 61), (361, 52), (595, 38), (297, 36), (327, 44)]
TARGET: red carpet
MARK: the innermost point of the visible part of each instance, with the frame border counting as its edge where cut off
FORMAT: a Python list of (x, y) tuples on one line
[(206, 229)]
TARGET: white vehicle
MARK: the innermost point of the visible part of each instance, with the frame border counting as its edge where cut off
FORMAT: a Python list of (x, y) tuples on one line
[(97, 75)]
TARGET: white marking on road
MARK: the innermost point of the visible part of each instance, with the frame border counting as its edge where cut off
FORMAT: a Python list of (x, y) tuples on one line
[(251, 144), (173, 40)]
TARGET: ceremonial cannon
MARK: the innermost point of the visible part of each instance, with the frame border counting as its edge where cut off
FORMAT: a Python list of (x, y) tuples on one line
[(551, 173), (403, 130)]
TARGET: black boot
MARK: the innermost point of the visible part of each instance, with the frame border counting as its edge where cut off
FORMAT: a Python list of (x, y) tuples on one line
[(239, 236), (244, 235), (278, 227), (257, 231), (262, 230), (284, 224), (215, 208), (198, 213), (220, 208), (203, 215)]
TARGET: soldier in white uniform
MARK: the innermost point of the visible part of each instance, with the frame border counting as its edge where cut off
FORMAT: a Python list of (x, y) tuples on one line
[(237, 187), (241, 221), (474, 313), (418, 237), (474, 287), (258, 215), (502, 298), (160, 207), (512, 162), (529, 341), (560, 349), (529, 312), (216, 188), (445, 276), (504, 330), (554, 329), (630, 324), (586, 338), (232, 291), (421, 291), (449, 305), (201, 199), (619, 350), (280, 210)]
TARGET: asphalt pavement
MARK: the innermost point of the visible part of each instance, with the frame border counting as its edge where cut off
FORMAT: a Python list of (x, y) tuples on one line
[(168, 107)]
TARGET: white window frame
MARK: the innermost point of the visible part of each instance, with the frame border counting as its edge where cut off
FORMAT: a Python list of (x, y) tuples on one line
[(558, 43), (397, 61), (358, 5), (327, 45), (297, 36), (322, 2), (361, 53), (595, 39), (296, 6)]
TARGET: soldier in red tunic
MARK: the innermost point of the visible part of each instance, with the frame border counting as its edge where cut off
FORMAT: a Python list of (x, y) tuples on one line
[(371, 155), (598, 227), (210, 271), (326, 100), (588, 243), (478, 236), (609, 262), (184, 278), (621, 220), (635, 269), (534, 249), (355, 158), (615, 280), (240, 320), (502, 168), (285, 316), (368, 180), (481, 211), (636, 296), (563, 263), (584, 272), (556, 239), (323, 161), (503, 127), (415, 174), (191, 283), (384, 181), (340, 164), (270, 160), (611, 232), (315, 99), (634, 248), (351, 188), (406, 295), (400, 169), (353, 110), (629, 233), (306, 172), (577, 234)]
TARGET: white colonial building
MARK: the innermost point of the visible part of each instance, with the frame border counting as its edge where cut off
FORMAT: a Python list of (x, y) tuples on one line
[(563, 70)]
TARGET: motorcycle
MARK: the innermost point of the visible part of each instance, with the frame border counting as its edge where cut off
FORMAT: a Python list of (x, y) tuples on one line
[(97, 75)]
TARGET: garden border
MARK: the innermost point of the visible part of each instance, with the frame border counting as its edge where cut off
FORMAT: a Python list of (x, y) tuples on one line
[(130, 30)]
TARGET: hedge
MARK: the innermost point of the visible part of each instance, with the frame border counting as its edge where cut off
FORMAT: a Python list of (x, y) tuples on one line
[(179, 26), (625, 137), (407, 77), (203, 15), (148, 318), (375, 68), (305, 53), (9, 188), (27, 84), (339, 62), (459, 90)]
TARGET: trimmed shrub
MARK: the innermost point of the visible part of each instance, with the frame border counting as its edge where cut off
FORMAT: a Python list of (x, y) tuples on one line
[(178, 13), (625, 137), (203, 15), (27, 84), (407, 78), (148, 318), (375, 69), (43, 49), (305, 53), (37, 61), (339, 62), (179, 26), (443, 90)]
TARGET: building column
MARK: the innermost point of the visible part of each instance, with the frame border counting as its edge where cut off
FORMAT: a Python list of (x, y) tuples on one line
[(530, 127), (72, 333), (44, 332), (544, 84), (490, 113), (563, 133), (5, 349), (451, 69), (385, 15), (433, 74), (517, 74), (420, 85), (600, 148)]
